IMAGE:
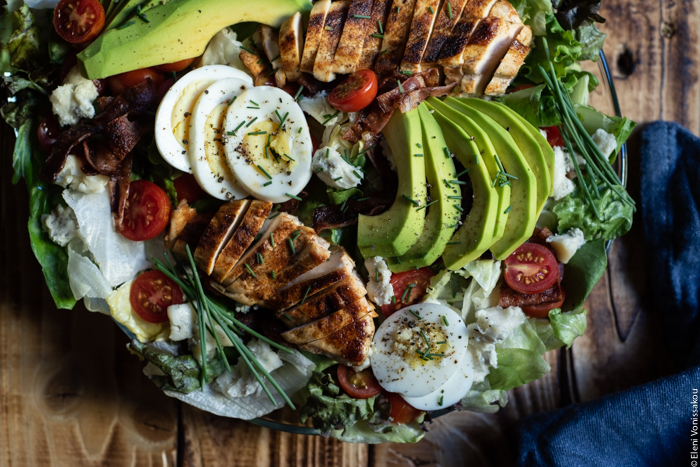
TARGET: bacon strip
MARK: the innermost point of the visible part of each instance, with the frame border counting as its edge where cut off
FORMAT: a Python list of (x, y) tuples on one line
[(124, 132), (138, 97), (119, 191), (510, 297), (68, 140)]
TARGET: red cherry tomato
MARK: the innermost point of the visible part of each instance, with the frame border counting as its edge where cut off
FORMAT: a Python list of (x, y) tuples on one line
[(356, 92), (175, 66), (188, 188), (520, 88), (401, 411), (553, 136), (531, 269), (409, 287), (118, 83), (147, 211), (48, 132), (542, 310), (151, 294), (78, 21), (362, 385)]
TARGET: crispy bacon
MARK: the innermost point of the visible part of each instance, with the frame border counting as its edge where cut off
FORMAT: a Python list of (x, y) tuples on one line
[(119, 191), (510, 297), (124, 132), (138, 97), (100, 158), (333, 217), (68, 140), (291, 205)]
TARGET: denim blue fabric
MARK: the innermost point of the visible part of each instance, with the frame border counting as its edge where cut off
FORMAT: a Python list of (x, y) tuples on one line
[(652, 424)]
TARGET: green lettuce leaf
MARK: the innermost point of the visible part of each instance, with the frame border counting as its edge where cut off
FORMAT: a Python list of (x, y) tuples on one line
[(534, 13), (525, 337), (583, 272), (593, 119), (24, 44), (481, 398), (337, 196), (516, 367), (536, 105), (568, 326), (545, 332), (575, 211), (591, 39), (364, 432)]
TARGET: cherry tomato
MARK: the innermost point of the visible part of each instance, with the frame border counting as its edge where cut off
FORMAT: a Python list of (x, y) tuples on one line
[(78, 21), (362, 385), (520, 88), (409, 287), (175, 66), (151, 294), (531, 269), (356, 92), (553, 136), (147, 211), (48, 132), (401, 411), (542, 310), (118, 83), (188, 188)]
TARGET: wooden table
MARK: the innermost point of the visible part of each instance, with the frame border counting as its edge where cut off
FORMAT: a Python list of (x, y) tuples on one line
[(71, 395)]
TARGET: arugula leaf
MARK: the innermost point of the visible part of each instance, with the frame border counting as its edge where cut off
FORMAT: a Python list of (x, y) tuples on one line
[(583, 272), (574, 211), (516, 367)]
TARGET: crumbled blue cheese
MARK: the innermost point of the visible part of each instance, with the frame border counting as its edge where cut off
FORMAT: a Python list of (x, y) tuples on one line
[(319, 108), (386, 150), (73, 99), (335, 171), (223, 49), (241, 382), (61, 225), (566, 245), (182, 320), (605, 141), (562, 186), (379, 291), (492, 326), (71, 176)]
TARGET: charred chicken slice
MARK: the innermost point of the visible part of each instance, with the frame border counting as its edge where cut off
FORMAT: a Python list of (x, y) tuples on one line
[(179, 219), (218, 233), (291, 44), (330, 324), (349, 346), (373, 40), (332, 31), (396, 32), (317, 19), (358, 26), (191, 234), (270, 43), (449, 15), (511, 63), (424, 17)]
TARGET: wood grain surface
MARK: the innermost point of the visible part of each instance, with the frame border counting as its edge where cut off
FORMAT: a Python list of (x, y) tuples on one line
[(71, 395)]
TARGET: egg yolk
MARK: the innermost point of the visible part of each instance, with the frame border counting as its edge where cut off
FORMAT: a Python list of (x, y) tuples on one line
[(182, 110), (420, 343), (214, 143), (267, 147)]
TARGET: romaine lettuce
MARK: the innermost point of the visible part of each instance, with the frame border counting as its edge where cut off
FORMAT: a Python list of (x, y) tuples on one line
[(615, 214)]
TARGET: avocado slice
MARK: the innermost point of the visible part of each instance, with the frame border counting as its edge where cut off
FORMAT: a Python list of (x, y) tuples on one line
[(525, 141), (393, 232), (486, 151), (176, 30), (523, 193), (475, 236), (442, 218)]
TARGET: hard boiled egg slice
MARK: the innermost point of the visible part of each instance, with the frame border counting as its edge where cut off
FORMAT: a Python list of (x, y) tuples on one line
[(451, 392), (206, 139), (174, 112), (268, 145), (418, 349)]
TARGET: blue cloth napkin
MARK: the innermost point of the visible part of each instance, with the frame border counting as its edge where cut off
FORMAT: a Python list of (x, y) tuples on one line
[(650, 425)]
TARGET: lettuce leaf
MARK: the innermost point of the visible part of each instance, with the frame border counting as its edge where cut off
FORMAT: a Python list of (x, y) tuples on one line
[(568, 326), (516, 367), (481, 398), (575, 211), (24, 44), (583, 272), (593, 119)]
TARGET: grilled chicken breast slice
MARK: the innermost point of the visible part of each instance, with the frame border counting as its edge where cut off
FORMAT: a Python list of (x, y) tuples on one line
[(330, 324), (291, 42), (358, 25), (314, 31), (373, 41), (349, 346), (332, 31), (252, 62), (191, 234), (503, 9), (339, 267), (449, 15), (451, 54), (241, 239), (218, 233), (487, 45), (396, 32), (511, 63), (424, 16), (270, 43), (179, 219), (324, 303)]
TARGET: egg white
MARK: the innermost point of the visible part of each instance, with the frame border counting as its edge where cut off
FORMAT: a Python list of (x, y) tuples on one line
[(263, 106), (452, 391), (206, 147), (173, 114), (404, 372)]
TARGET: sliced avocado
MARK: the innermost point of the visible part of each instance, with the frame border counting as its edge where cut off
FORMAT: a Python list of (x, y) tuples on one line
[(393, 232), (525, 141), (485, 150), (522, 214), (176, 30), (475, 236), (442, 218)]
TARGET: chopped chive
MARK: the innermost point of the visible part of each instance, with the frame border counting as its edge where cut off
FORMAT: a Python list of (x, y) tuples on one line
[(296, 234), (272, 240), (337, 178), (291, 245), (462, 172), (274, 215), (425, 338), (452, 226), (258, 133), (283, 119), (141, 15), (267, 183), (458, 182), (364, 199), (379, 36), (429, 204), (251, 122), (248, 50), (356, 174), (362, 152), (411, 200), (441, 397), (406, 72), (449, 10), (381, 28), (454, 197), (287, 156), (398, 260), (305, 294), (398, 9), (442, 342), (267, 153), (286, 315), (254, 108), (255, 103), (300, 128), (272, 273), (400, 87), (328, 151), (271, 73), (293, 197), (406, 292), (436, 354), (447, 183), (264, 172), (393, 299), (383, 52), (318, 170), (238, 127), (447, 152), (260, 258), (275, 58), (296, 96), (362, 16), (419, 145), (249, 270), (453, 243), (444, 320), (232, 100), (126, 25), (507, 209), (476, 159), (432, 12), (459, 208), (418, 155), (415, 314)]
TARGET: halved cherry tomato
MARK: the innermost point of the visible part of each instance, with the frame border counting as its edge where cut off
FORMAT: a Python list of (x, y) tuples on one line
[(531, 269), (175, 66), (151, 294), (48, 132), (118, 83), (78, 21), (188, 188), (542, 310), (553, 136), (362, 385), (147, 211), (409, 287), (356, 92), (520, 88), (401, 411)]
